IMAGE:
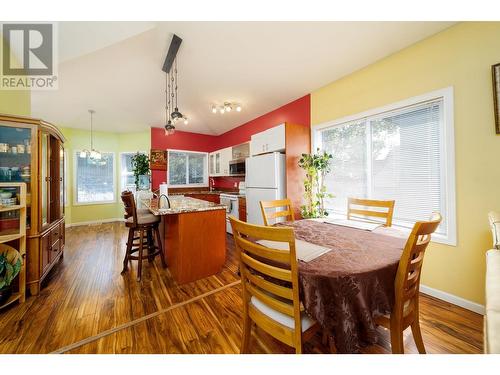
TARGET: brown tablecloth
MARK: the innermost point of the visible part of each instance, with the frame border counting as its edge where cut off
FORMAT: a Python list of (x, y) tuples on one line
[(346, 288)]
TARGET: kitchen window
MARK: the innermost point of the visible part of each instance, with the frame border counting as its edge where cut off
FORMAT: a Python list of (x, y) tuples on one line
[(95, 181), (404, 152), (187, 168), (127, 178)]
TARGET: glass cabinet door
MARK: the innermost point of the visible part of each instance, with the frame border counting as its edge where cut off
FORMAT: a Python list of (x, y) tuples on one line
[(44, 196), (15, 166)]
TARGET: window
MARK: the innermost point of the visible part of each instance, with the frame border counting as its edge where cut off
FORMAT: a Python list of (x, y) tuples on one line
[(187, 168), (127, 171), (403, 152), (95, 181)]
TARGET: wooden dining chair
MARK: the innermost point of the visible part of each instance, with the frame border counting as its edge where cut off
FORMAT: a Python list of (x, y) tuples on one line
[(287, 213), (270, 286), (405, 313), (357, 208)]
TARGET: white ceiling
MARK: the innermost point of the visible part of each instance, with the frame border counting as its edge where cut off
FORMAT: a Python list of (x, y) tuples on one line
[(115, 68)]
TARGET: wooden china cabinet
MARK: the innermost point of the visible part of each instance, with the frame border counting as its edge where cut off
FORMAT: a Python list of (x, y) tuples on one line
[(32, 151)]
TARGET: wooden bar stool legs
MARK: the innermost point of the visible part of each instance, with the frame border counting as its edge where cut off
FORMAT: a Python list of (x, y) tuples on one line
[(146, 242)]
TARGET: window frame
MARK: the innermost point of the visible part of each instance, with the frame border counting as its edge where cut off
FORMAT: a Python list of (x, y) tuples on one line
[(205, 175), (122, 175), (447, 148), (76, 155)]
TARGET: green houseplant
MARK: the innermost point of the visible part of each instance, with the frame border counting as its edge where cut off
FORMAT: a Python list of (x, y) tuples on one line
[(316, 166), (10, 265), (140, 165)]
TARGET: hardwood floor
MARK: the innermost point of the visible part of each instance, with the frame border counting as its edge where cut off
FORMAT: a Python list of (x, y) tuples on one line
[(86, 306)]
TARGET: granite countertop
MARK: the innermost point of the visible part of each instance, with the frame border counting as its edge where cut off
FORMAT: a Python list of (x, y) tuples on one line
[(181, 204)]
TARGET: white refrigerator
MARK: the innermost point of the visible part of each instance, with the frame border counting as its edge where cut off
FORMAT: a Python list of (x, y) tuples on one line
[(265, 181)]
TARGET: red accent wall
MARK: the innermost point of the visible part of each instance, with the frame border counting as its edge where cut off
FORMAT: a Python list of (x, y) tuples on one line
[(178, 141), (297, 112)]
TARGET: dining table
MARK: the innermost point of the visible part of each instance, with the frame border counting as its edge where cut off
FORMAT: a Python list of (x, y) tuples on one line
[(347, 287)]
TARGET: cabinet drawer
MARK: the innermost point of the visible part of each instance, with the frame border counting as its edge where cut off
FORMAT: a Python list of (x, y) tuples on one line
[(55, 234), (56, 247)]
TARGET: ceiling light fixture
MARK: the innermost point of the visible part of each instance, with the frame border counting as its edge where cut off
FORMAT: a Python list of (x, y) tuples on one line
[(173, 115), (226, 107), (93, 155)]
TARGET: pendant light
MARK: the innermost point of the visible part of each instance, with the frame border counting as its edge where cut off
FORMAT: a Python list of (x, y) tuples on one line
[(93, 155), (173, 114)]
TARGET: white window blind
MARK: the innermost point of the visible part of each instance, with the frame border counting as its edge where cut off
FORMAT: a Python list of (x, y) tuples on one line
[(95, 182), (187, 168), (397, 154)]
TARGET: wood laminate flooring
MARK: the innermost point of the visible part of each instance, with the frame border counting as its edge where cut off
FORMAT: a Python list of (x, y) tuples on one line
[(86, 306)]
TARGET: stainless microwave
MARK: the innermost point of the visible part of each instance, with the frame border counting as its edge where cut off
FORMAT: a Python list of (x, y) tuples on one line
[(237, 167)]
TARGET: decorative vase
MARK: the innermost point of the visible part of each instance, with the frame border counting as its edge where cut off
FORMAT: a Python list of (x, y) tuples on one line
[(5, 294)]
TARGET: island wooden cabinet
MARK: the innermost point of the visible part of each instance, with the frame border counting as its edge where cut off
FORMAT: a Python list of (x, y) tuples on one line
[(32, 151)]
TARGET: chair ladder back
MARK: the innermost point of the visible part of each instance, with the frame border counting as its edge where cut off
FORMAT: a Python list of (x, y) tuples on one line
[(129, 205), (354, 210), (407, 284), (287, 213), (270, 275)]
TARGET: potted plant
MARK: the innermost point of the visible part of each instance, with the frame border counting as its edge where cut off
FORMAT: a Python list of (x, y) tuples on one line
[(316, 166), (10, 265), (140, 165)]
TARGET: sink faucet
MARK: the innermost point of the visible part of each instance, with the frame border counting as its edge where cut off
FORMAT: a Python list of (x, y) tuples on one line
[(160, 205)]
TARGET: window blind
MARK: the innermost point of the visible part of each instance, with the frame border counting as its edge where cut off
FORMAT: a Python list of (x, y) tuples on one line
[(395, 155), (95, 182)]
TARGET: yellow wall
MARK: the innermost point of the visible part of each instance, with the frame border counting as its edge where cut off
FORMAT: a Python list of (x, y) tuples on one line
[(77, 140), (460, 56)]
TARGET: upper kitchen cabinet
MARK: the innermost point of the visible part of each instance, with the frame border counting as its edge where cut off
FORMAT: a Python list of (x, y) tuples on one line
[(219, 162), (270, 140), (32, 151)]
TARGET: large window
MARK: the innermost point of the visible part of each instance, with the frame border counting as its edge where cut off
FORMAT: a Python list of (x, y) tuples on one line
[(95, 180), (127, 179), (402, 152), (187, 168)]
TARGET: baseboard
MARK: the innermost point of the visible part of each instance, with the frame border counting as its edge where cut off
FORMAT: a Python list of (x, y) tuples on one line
[(459, 301), (94, 222)]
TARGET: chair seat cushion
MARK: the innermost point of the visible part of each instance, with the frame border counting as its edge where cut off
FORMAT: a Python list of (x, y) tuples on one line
[(280, 317), (143, 211), (144, 219)]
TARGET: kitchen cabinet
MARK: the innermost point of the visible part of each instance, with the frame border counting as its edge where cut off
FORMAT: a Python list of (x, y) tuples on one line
[(204, 197), (270, 140), (33, 152), (219, 162)]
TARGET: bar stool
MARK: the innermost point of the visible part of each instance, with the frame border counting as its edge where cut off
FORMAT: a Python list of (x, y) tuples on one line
[(146, 224)]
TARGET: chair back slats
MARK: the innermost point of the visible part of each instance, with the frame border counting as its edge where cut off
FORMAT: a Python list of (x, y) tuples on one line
[(268, 299), (273, 288), (129, 205), (269, 210), (282, 256), (271, 276), (356, 208), (407, 283), (266, 269)]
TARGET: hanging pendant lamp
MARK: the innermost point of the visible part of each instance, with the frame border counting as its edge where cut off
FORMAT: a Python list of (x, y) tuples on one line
[(93, 155)]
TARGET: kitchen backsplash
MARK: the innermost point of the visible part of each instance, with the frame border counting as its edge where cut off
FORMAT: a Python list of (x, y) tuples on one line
[(226, 182)]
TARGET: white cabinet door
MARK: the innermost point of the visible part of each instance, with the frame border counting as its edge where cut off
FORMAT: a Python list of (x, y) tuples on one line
[(226, 155), (211, 164), (275, 139), (270, 140)]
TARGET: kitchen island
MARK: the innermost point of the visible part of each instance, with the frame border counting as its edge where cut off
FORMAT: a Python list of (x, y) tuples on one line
[(193, 233)]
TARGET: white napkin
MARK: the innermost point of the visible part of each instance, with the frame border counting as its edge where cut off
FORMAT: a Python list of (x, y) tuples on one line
[(304, 251), (364, 225)]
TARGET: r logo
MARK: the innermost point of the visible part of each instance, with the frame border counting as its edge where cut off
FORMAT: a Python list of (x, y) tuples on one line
[(28, 49)]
